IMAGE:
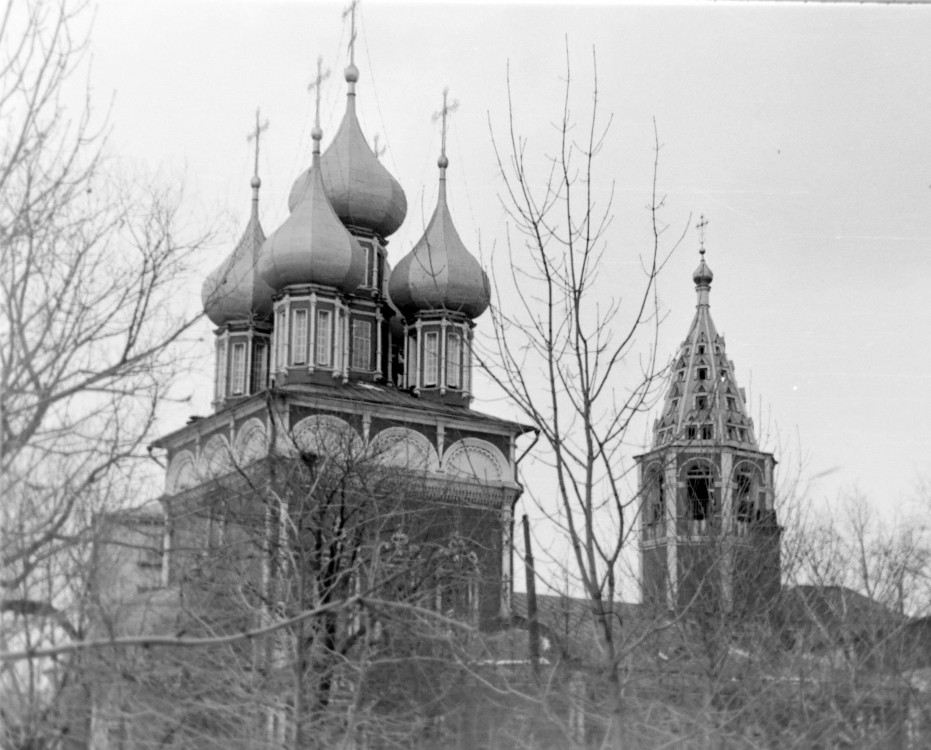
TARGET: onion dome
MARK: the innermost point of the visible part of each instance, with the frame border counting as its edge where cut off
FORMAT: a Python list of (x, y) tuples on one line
[(362, 191), (234, 291), (439, 273), (702, 275), (313, 246)]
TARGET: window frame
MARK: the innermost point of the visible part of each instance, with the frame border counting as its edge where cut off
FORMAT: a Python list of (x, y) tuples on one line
[(238, 379), (259, 366), (699, 478), (323, 346), (299, 323), (743, 496), (453, 360), (281, 341), (361, 344), (431, 359), (221, 369)]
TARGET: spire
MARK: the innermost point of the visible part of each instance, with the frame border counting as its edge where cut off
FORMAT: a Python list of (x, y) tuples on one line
[(443, 162), (256, 183), (440, 273), (363, 193), (352, 72), (703, 401), (702, 276), (314, 85), (234, 291)]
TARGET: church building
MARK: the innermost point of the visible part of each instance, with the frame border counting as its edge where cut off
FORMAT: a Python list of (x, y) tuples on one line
[(327, 356)]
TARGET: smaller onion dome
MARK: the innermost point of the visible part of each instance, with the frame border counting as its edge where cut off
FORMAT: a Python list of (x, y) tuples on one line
[(312, 246), (702, 275), (363, 193), (439, 273), (234, 291)]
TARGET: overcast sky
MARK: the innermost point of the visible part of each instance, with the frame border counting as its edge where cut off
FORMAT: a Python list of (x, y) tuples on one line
[(803, 132)]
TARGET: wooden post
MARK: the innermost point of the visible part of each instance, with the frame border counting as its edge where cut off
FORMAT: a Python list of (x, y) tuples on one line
[(532, 625)]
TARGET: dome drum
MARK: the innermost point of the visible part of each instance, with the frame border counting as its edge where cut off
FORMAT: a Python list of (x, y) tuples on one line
[(321, 336), (438, 358), (241, 363)]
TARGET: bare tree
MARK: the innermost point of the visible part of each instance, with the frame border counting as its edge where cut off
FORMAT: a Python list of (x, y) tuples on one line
[(566, 351), (88, 262)]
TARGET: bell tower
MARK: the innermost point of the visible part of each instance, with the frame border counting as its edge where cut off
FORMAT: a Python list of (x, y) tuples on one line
[(709, 536)]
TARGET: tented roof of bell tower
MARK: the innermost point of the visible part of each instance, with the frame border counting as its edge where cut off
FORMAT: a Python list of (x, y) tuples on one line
[(703, 401)]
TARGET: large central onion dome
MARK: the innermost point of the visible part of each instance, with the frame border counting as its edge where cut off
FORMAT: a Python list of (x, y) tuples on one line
[(234, 291), (362, 191), (439, 273), (313, 246)]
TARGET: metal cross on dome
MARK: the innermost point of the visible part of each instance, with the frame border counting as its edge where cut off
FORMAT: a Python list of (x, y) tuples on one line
[(260, 127), (315, 86), (351, 12), (700, 226), (443, 113), (378, 151)]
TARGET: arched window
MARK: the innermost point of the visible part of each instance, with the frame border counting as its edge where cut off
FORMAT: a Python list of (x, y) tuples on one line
[(700, 493), (656, 497), (744, 509)]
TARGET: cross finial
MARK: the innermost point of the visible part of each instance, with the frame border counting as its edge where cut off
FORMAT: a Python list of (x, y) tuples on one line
[(315, 86), (444, 113), (351, 12), (378, 151), (260, 127), (700, 226)]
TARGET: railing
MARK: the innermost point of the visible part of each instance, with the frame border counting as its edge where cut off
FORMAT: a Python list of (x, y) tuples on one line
[(711, 526), (654, 531)]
